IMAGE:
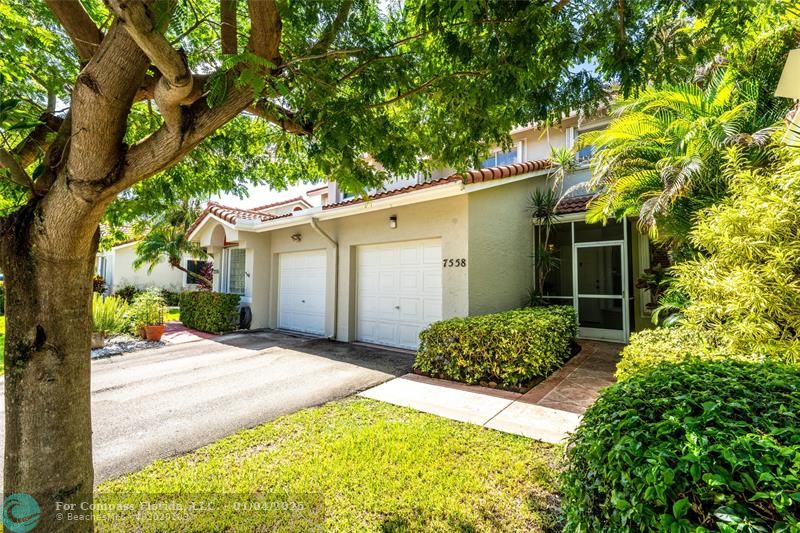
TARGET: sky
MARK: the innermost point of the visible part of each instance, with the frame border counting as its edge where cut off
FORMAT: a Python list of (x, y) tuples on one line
[(263, 194)]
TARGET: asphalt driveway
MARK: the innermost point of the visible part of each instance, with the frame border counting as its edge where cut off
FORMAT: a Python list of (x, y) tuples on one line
[(161, 403)]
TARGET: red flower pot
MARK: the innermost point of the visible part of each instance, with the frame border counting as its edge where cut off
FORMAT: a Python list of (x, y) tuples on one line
[(154, 333)]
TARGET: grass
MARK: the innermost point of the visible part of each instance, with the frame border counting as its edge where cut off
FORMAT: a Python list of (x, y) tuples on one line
[(172, 315), (355, 465)]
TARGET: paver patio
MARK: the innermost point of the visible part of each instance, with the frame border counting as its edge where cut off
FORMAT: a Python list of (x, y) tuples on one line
[(548, 412)]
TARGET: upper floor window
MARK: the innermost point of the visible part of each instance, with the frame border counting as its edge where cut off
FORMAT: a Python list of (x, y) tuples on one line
[(508, 157), (233, 270), (584, 155)]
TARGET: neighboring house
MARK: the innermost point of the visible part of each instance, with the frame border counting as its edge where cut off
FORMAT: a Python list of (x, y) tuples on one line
[(116, 265), (379, 270)]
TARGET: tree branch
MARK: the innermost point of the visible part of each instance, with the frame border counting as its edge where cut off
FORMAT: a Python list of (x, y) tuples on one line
[(420, 88), (281, 117), (36, 142), (166, 147), (176, 83), (16, 172), (227, 17), (79, 26), (265, 29), (332, 30)]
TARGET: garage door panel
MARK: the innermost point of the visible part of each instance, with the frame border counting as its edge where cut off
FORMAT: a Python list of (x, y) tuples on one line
[(302, 291), (407, 297)]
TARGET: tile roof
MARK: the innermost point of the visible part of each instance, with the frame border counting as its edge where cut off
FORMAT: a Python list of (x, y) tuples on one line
[(504, 171), (473, 176), (573, 204), (231, 214), (394, 192)]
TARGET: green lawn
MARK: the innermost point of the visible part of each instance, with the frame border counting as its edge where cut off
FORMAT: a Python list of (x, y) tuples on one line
[(355, 465), (172, 315)]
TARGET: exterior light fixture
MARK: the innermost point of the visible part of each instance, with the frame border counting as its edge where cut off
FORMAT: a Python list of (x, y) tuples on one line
[(297, 237), (393, 221)]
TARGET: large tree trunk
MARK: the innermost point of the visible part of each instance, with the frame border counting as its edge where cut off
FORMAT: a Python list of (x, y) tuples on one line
[(48, 432)]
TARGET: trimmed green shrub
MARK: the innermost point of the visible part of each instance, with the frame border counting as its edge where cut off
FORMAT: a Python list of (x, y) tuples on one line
[(651, 347), (694, 446), (213, 312), (171, 298), (510, 348), (127, 292)]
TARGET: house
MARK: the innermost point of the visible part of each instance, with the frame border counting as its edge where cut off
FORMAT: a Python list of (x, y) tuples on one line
[(115, 265), (379, 269)]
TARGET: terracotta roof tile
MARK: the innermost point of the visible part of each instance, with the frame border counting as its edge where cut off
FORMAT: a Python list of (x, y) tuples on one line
[(228, 214), (231, 214), (505, 171), (573, 204), (394, 192), (473, 176)]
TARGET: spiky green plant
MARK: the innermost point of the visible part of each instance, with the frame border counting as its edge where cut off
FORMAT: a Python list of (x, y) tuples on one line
[(109, 314), (542, 207)]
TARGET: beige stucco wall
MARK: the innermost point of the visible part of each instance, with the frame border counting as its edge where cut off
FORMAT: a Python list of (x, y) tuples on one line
[(123, 273), (444, 219), (500, 246)]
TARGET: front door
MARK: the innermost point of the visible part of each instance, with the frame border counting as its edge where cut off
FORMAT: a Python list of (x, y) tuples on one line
[(601, 298)]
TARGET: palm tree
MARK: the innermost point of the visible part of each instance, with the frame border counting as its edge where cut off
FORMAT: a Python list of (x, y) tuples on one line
[(166, 238), (662, 157)]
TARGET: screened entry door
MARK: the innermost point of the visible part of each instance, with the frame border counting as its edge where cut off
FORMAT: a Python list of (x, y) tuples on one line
[(600, 279)]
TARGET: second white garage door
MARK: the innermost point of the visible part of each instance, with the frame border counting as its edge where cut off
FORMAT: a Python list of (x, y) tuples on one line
[(399, 288), (301, 291)]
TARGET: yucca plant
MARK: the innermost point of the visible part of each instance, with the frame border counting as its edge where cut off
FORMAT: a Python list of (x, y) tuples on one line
[(662, 157), (109, 314), (542, 207)]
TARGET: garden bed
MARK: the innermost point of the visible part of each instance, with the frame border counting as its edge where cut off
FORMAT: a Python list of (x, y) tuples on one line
[(122, 344)]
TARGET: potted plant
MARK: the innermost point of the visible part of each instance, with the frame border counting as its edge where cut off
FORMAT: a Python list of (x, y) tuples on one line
[(147, 314)]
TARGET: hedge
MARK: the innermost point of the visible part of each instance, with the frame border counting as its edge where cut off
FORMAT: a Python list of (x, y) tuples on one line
[(652, 347), (212, 312), (693, 446), (510, 348)]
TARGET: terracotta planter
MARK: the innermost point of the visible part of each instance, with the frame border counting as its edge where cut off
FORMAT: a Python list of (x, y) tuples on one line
[(154, 333), (140, 332)]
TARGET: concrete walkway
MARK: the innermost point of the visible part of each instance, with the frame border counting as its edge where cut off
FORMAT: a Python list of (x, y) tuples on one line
[(548, 412)]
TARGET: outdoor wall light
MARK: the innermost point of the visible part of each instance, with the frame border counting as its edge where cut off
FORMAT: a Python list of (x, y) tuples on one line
[(297, 237), (393, 221)]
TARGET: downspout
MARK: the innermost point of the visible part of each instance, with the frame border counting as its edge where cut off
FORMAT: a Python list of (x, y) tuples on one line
[(315, 225)]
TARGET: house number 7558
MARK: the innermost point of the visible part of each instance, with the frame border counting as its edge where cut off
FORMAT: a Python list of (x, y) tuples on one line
[(454, 262)]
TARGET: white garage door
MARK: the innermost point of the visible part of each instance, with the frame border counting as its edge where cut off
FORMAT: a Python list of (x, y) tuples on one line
[(399, 291), (301, 292)]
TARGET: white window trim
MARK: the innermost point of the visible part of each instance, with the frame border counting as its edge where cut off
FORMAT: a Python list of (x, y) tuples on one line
[(225, 271), (520, 146)]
